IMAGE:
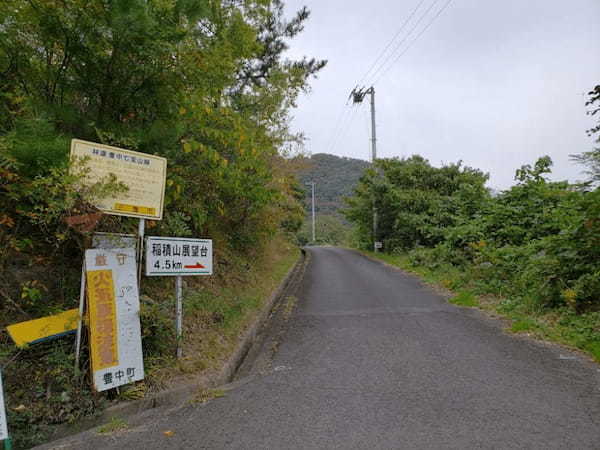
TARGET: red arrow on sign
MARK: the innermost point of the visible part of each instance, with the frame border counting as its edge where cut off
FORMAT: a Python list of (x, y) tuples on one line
[(195, 266)]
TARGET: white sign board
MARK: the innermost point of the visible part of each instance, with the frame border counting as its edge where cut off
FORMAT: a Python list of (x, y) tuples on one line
[(3, 426), (167, 256), (113, 240), (378, 244), (114, 317)]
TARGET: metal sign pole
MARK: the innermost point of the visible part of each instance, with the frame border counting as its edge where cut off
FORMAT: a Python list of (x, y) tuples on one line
[(179, 312), (141, 229), (79, 322)]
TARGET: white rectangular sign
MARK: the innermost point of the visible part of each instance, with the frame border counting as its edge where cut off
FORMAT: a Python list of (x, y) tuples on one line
[(3, 426), (167, 256), (114, 317)]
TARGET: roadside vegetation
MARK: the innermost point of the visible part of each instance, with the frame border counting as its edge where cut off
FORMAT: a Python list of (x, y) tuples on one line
[(204, 84), (530, 253)]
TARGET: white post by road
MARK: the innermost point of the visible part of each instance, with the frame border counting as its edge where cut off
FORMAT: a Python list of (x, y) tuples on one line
[(3, 425), (312, 184), (80, 319), (179, 312)]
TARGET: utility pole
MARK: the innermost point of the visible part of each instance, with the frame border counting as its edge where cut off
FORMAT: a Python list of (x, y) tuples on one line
[(312, 184), (358, 96)]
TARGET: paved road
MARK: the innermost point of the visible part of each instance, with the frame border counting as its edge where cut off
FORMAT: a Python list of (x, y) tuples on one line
[(371, 359)]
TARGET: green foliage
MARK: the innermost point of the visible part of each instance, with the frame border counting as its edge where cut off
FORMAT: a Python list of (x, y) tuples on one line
[(114, 425), (538, 241), (47, 393), (415, 201), (36, 147), (465, 298), (329, 230)]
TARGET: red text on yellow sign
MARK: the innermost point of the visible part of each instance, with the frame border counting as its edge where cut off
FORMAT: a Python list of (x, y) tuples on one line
[(103, 319)]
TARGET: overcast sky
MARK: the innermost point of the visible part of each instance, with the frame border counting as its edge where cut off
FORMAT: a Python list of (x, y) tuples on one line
[(495, 83)]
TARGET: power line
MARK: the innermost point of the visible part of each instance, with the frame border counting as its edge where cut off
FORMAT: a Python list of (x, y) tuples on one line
[(340, 122), (349, 118), (410, 44), (345, 118), (404, 39), (338, 131), (408, 19)]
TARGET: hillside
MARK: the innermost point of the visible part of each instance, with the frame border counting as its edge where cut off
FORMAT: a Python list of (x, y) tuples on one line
[(335, 179)]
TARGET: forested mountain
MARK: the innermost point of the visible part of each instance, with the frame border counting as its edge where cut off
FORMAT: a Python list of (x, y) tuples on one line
[(335, 178)]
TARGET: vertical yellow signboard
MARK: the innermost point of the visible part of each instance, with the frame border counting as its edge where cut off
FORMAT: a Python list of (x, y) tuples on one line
[(103, 319), (114, 317)]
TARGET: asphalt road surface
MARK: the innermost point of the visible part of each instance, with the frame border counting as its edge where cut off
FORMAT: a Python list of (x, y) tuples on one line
[(372, 359)]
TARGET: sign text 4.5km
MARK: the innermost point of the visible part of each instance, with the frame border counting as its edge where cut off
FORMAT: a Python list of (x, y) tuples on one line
[(178, 256)]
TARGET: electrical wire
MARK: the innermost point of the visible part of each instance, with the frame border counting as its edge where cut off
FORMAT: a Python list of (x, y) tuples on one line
[(344, 128), (404, 39), (338, 122), (340, 125), (344, 119), (410, 44), (408, 19)]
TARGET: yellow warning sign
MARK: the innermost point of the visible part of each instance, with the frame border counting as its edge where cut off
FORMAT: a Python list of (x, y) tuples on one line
[(103, 319), (142, 173)]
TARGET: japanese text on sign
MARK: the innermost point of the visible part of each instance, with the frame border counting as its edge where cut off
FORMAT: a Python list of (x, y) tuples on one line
[(114, 306), (103, 319), (143, 174), (178, 256)]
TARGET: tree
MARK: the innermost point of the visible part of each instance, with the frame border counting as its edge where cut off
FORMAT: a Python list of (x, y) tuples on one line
[(203, 83), (591, 159), (415, 201)]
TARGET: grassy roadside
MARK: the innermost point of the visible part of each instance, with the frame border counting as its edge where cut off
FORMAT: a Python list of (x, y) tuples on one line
[(43, 390), (560, 325), (216, 315)]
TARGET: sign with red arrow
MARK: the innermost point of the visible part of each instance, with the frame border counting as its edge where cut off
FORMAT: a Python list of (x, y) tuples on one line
[(168, 256)]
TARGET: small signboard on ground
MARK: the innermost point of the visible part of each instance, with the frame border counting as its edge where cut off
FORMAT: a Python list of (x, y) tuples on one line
[(44, 329), (114, 317), (142, 173), (378, 244), (167, 256), (3, 425)]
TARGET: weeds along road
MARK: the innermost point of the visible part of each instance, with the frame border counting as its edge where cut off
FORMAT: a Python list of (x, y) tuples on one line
[(372, 359)]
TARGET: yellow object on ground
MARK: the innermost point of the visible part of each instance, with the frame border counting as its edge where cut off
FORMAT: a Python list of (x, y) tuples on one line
[(46, 328)]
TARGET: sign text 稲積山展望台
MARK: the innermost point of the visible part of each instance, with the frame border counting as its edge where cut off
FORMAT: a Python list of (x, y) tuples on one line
[(167, 256)]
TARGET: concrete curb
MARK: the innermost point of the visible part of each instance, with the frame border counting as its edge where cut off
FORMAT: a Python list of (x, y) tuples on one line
[(174, 396)]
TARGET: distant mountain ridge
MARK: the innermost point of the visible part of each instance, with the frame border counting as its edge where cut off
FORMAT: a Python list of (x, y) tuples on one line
[(335, 178)]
